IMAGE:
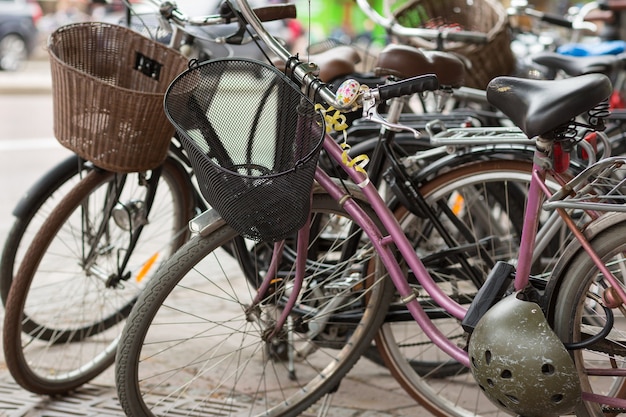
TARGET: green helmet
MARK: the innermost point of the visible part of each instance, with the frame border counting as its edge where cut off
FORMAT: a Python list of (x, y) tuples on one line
[(521, 364)]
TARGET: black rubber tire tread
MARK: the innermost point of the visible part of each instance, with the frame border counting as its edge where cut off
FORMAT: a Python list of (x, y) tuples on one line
[(14, 315), (35, 198)]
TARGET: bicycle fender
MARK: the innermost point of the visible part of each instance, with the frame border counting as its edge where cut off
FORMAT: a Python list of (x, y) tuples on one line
[(64, 170), (473, 154), (603, 223)]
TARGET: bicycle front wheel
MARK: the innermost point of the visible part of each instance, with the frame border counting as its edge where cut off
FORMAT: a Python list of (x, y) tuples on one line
[(83, 271), (197, 344)]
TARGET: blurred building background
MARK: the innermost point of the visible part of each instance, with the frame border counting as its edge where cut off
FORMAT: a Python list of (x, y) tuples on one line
[(318, 20)]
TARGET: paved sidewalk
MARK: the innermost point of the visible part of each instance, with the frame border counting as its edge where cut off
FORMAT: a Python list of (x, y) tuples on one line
[(368, 391)]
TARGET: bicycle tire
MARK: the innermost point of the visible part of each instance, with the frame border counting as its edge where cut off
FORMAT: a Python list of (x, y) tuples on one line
[(32, 210), (69, 296), (264, 385), (441, 385), (583, 317)]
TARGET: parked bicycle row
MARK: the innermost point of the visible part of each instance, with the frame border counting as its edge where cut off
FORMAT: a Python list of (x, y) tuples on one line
[(235, 234)]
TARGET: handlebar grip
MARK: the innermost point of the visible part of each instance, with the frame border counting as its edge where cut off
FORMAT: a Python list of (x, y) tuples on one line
[(409, 86), (276, 12), (556, 20)]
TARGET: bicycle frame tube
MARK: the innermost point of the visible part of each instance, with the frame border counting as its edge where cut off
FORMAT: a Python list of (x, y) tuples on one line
[(530, 226), (383, 243), (586, 245), (538, 190), (536, 194)]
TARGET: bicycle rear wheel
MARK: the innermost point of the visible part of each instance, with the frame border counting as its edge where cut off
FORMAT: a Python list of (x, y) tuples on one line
[(83, 271), (32, 210), (195, 344), (488, 200), (580, 312)]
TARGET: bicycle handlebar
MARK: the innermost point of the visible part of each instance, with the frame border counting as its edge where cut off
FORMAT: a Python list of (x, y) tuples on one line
[(304, 73), (264, 13), (554, 19), (430, 34), (578, 23), (170, 11), (437, 34), (409, 86), (612, 5), (276, 12)]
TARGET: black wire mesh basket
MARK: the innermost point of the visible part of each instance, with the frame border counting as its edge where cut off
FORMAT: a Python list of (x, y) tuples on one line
[(253, 140)]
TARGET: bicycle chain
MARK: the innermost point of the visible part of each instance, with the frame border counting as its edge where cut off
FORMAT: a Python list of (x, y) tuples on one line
[(613, 410)]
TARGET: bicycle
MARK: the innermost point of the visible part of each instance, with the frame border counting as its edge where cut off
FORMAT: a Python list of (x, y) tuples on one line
[(396, 348), (44, 191), (57, 384), (124, 212), (213, 232), (114, 226)]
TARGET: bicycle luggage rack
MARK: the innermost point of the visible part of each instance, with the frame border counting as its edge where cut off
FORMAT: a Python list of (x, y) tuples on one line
[(600, 187), (470, 136)]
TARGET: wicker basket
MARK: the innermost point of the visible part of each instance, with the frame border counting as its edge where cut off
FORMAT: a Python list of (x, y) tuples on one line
[(108, 84), (253, 140), (486, 61)]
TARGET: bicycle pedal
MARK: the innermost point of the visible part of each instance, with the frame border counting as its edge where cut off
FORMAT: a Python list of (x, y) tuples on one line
[(498, 280)]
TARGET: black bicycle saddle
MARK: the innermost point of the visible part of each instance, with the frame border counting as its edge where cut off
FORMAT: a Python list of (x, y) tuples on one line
[(577, 65), (541, 106)]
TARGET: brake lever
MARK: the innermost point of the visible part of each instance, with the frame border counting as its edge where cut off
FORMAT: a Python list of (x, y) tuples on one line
[(229, 12), (370, 100)]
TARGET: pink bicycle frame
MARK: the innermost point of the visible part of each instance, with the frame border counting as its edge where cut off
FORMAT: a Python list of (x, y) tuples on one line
[(395, 237)]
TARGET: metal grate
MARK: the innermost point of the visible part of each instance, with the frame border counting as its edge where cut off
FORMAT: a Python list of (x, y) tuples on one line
[(89, 400)]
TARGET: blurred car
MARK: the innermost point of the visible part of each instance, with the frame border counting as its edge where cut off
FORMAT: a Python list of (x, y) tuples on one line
[(18, 32)]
